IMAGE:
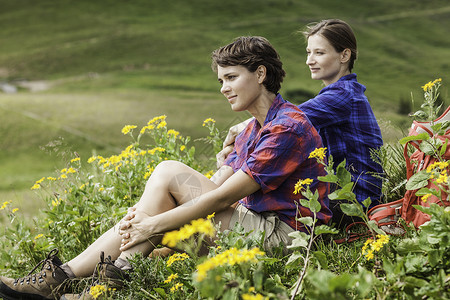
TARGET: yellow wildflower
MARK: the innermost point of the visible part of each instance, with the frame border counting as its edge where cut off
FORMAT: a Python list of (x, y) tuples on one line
[(171, 277), (428, 86), (176, 287), (56, 202), (375, 245), (40, 180), (182, 147), (425, 197), (97, 290), (230, 257), (153, 151), (442, 177), (207, 121), (15, 210), (38, 236), (209, 174), (91, 159), (171, 238), (253, 297), (176, 257), (319, 153), (369, 255), (4, 205), (299, 185), (209, 217), (173, 132), (156, 119), (75, 159), (36, 186), (161, 125), (128, 128)]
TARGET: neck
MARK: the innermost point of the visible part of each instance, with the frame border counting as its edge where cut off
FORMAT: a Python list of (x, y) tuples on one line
[(339, 76), (261, 107)]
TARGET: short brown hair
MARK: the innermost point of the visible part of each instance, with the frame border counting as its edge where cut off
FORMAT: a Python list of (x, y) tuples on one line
[(338, 33), (252, 52)]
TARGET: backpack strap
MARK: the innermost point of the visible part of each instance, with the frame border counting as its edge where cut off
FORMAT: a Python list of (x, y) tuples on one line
[(353, 236)]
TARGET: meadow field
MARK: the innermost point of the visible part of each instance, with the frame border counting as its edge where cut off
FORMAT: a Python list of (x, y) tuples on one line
[(82, 70)]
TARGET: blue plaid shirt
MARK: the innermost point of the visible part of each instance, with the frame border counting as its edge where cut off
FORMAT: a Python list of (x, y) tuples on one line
[(344, 119)]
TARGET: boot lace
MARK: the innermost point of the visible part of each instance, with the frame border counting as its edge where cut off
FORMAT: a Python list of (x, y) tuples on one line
[(42, 273)]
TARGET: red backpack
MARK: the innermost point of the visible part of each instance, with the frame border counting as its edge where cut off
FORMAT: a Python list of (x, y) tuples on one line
[(387, 215)]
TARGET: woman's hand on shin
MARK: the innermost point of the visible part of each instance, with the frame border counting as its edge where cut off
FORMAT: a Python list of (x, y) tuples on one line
[(135, 228)]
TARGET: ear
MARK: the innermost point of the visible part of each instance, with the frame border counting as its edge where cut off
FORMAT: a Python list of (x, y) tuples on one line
[(261, 73), (345, 55)]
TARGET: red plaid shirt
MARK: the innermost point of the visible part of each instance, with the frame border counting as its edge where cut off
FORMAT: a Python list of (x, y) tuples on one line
[(276, 157)]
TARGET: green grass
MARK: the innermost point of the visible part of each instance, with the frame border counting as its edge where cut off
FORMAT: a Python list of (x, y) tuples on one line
[(111, 63)]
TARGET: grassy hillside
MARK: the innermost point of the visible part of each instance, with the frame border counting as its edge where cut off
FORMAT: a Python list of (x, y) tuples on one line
[(108, 63)]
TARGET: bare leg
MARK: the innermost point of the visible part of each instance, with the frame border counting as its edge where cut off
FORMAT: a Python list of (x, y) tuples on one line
[(171, 184)]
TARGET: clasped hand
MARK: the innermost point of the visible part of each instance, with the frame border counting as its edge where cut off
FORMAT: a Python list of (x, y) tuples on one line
[(134, 228)]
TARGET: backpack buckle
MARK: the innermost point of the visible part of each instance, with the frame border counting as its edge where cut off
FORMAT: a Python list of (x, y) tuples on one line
[(397, 211)]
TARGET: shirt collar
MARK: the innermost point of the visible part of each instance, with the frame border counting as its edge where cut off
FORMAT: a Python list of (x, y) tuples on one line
[(272, 113), (347, 78)]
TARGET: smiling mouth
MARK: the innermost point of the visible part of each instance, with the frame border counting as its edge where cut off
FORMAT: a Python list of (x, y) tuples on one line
[(314, 70)]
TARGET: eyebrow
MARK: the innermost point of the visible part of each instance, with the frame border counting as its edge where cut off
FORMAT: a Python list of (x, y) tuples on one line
[(225, 75)]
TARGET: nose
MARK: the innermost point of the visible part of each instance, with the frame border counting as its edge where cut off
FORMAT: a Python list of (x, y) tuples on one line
[(225, 88), (309, 59)]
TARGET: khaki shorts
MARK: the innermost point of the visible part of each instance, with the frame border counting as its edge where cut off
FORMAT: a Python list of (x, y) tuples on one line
[(276, 231)]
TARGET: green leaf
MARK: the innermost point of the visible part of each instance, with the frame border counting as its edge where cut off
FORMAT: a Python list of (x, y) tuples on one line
[(425, 191), (314, 203), (299, 239), (427, 148), (323, 229), (258, 278), (345, 193), (420, 137), (298, 243), (328, 178), (321, 258), (293, 258), (343, 174), (424, 209), (367, 202), (352, 209), (374, 226), (308, 221), (418, 180), (304, 203), (443, 148), (160, 291)]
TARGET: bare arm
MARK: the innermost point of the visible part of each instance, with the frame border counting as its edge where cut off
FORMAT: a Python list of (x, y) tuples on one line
[(234, 188)]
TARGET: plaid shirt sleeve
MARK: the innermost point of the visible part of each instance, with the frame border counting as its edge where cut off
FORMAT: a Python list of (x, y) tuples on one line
[(277, 155), (329, 108)]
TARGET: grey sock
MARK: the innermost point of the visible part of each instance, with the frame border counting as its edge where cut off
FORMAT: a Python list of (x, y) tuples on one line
[(68, 270), (122, 264)]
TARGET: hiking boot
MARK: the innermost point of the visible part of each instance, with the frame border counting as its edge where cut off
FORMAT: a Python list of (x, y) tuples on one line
[(49, 283), (106, 279)]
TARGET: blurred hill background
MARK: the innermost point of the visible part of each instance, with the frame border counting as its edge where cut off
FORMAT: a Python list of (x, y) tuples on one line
[(73, 73)]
